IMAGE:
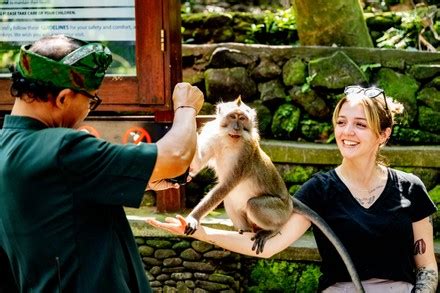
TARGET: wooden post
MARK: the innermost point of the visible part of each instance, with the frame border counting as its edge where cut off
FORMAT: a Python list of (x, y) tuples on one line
[(171, 200)]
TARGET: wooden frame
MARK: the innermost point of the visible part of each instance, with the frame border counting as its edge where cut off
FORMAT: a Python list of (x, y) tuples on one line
[(158, 63), (158, 69)]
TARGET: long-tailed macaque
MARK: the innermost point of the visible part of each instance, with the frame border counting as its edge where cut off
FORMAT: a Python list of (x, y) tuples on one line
[(253, 192)]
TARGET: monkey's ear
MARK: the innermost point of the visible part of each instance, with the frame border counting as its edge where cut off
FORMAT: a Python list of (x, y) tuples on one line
[(238, 101), (218, 109)]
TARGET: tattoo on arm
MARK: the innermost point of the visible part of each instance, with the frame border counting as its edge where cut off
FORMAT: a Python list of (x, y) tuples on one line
[(419, 247), (426, 281)]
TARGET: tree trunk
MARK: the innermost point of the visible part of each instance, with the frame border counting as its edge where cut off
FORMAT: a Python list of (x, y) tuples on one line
[(329, 22)]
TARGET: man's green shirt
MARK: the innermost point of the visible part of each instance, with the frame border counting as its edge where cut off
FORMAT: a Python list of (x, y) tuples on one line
[(61, 217)]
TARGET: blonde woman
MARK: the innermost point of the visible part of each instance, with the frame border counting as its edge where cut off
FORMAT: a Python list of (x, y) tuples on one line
[(381, 215)]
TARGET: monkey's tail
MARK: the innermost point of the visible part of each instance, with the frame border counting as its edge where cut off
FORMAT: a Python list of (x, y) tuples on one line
[(328, 232)]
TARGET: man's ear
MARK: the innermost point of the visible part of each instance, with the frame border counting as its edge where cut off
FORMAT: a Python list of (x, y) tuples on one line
[(64, 98)]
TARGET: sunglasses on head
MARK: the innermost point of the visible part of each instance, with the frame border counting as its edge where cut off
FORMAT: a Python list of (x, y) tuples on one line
[(369, 92), (94, 100)]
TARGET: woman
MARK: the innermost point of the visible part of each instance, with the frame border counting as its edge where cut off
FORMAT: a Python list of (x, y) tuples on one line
[(381, 215)]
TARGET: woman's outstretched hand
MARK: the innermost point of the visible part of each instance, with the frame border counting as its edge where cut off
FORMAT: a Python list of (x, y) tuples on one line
[(175, 225)]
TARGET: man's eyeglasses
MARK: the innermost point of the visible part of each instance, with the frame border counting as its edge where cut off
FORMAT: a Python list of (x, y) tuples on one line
[(94, 100), (369, 92)]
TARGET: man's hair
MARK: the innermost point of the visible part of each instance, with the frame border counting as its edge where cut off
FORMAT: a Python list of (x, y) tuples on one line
[(55, 47)]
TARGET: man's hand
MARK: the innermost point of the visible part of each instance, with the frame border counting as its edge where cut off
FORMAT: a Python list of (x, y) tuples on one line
[(186, 95), (173, 225)]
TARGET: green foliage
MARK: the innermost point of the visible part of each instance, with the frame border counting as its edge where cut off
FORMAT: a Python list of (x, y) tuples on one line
[(277, 28), (299, 174), (410, 136), (435, 196), (414, 26), (283, 276), (294, 188), (285, 121), (316, 131), (306, 86)]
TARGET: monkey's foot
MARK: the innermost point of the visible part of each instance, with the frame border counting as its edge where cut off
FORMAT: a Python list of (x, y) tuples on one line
[(191, 225), (260, 239)]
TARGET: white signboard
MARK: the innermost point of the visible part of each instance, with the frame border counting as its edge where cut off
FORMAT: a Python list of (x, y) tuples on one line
[(28, 20)]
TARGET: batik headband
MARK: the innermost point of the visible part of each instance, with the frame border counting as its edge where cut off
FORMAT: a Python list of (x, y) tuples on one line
[(82, 69)]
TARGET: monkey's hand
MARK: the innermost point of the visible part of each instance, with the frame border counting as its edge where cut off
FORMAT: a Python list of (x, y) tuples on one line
[(260, 239), (191, 225)]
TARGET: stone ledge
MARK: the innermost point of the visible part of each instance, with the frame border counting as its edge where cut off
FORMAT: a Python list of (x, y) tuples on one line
[(328, 154)]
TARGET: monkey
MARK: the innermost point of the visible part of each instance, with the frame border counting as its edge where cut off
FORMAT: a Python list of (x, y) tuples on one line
[(253, 192)]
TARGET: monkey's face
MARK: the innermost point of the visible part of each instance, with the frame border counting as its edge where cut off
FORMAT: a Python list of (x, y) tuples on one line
[(237, 120)]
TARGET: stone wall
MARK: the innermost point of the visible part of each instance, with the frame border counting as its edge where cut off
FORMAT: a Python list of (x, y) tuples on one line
[(182, 264), (294, 89), (174, 264)]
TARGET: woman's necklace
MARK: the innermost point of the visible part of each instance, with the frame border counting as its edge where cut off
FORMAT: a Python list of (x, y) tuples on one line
[(365, 197)]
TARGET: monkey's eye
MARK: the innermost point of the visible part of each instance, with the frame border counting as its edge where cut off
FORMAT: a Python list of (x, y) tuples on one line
[(232, 116), (242, 118)]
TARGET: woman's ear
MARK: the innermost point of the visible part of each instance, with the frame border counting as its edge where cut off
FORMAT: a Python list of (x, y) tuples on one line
[(64, 98), (385, 135)]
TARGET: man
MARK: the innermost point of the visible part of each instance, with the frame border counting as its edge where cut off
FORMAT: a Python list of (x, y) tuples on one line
[(62, 225)]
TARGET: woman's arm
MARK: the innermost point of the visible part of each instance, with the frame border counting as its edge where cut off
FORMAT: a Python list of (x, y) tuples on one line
[(295, 227), (424, 257)]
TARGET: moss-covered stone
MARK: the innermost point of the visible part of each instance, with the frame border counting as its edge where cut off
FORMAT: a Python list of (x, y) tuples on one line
[(139, 240), (224, 57), (228, 83), (270, 90), (221, 278), (424, 71), (146, 250), (223, 34), (192, 76), (312, 103), (211, 286), (182, 244), (201, 246), (402, 88), (430, 97), (335, 72), (190, 254), (294, 72), (285, 121), (264, 117), (158, 243), (266, 69), (429, 119), (164, 253), (315, 131)]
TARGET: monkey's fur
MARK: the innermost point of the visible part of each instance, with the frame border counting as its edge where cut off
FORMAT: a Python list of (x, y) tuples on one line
[(253, 193)]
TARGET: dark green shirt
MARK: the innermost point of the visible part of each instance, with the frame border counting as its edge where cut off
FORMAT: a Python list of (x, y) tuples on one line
[(61, 216)]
